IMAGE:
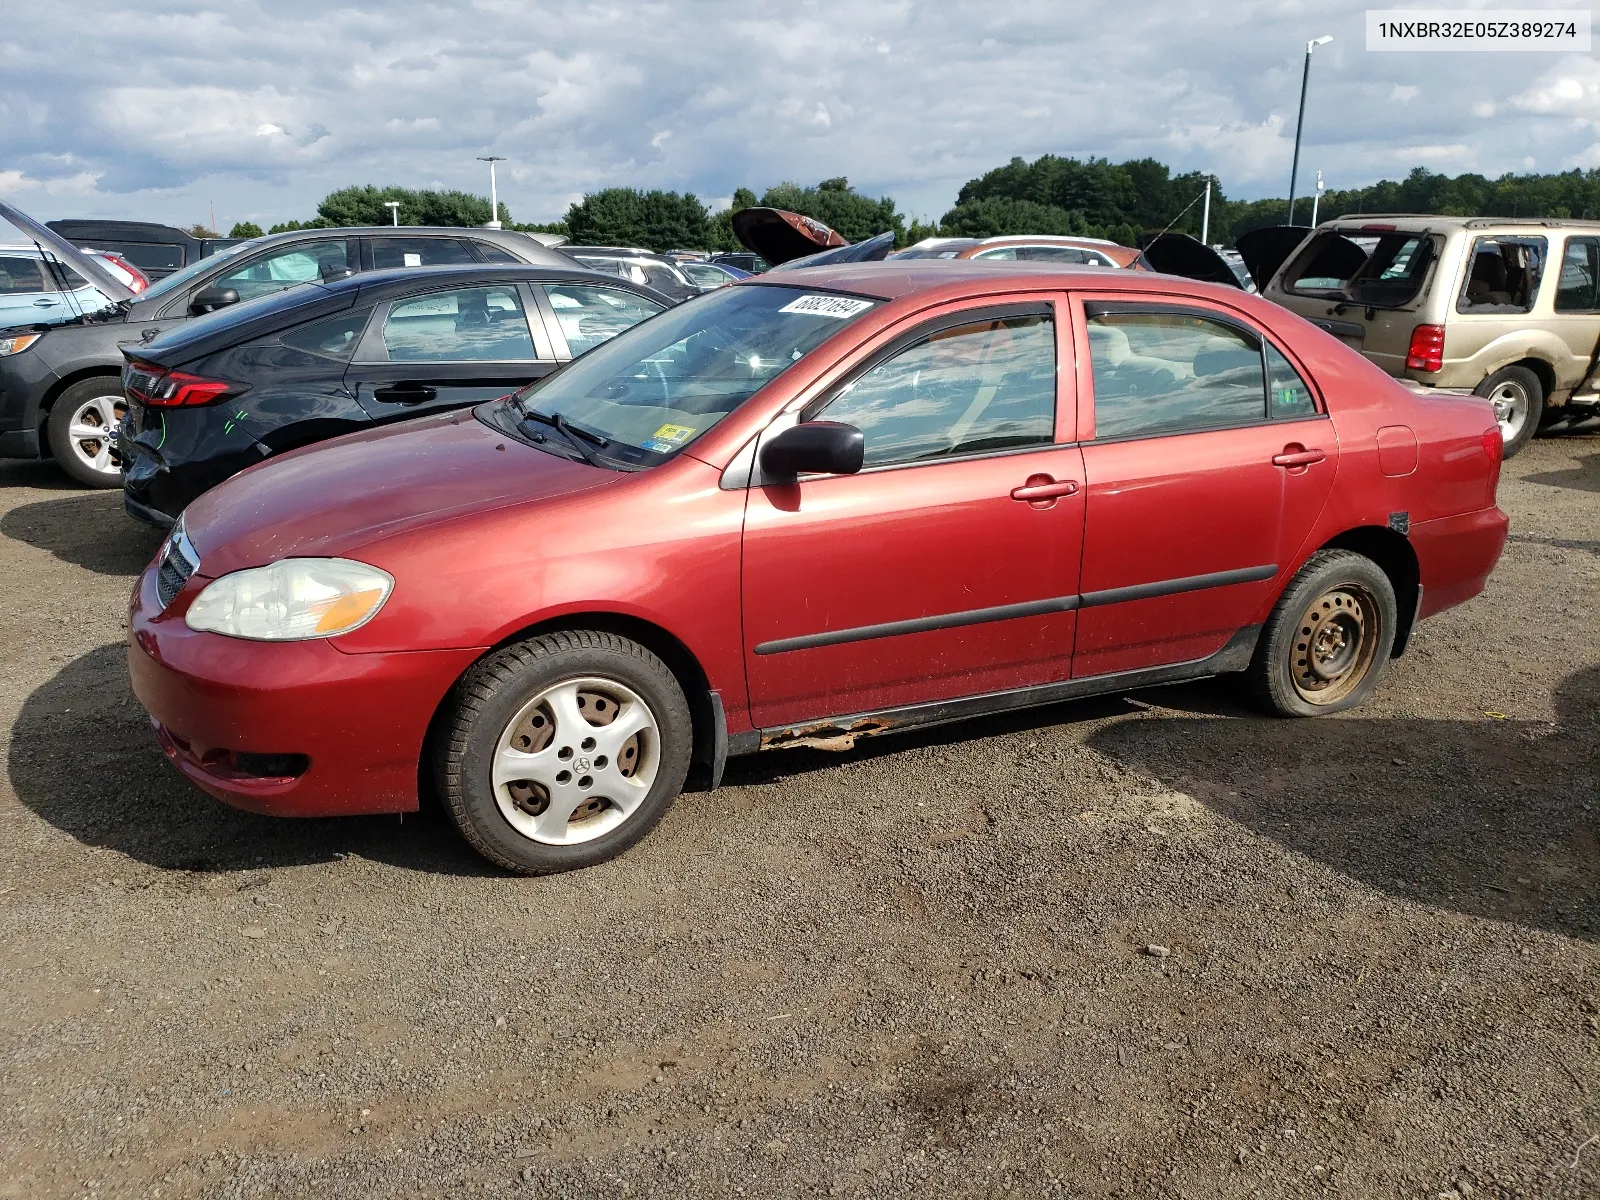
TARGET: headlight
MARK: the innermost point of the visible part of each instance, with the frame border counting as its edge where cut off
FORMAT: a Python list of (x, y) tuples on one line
[(292, 600), (17, 343)]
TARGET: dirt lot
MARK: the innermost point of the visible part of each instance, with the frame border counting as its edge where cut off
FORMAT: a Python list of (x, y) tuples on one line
[(926, 967)]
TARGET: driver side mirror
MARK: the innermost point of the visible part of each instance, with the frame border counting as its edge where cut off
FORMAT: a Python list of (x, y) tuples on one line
[(209, 299), (331, 271), (814, 448)]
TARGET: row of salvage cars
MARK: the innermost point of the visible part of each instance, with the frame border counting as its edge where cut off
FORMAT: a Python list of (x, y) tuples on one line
[(834, 500)]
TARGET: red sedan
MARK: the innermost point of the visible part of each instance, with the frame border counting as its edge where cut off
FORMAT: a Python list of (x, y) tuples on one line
[(811, 505)]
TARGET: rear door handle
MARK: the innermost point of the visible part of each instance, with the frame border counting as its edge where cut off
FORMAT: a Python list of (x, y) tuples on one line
[(1043, 487), (1297, 458), (405, 393)]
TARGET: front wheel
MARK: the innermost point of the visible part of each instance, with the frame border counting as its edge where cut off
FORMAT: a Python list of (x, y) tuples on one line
[(1329, 636), (563, 750), (82, 431)]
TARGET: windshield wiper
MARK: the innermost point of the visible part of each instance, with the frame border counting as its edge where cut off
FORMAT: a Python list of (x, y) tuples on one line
[(571, 432)]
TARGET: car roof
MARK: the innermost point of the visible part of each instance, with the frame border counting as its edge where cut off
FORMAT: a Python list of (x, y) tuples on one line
[(940, 279), (476, 273), (1421, 222)]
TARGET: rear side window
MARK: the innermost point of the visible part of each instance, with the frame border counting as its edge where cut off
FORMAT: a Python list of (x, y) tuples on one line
[(332, 337), (419, 252), (495, 254), (481, 324), (19, 273), (590, 315), (1158, 373), (985, 386), (1578, 289), (1503, 275), (1288, 395)]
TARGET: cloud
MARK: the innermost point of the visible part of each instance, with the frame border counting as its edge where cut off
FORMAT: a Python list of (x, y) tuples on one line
[(264, 107)]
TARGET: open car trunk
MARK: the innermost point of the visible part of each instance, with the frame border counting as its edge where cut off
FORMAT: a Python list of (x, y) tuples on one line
[(1180, 254), (778, 235), (1265, 250)]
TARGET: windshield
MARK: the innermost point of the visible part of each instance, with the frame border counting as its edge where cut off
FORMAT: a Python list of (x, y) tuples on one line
[(179, 279), (656, 388)]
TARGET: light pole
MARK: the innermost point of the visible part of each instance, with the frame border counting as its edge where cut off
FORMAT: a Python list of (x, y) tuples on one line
[(1316, 199), (394, 211), (494, 196), (1299, 125)]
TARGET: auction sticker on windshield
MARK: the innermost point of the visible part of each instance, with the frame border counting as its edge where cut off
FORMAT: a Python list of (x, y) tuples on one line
[(827, 306)]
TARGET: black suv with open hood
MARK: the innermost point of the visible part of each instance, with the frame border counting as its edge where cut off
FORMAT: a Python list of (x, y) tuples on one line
[(60, 386)]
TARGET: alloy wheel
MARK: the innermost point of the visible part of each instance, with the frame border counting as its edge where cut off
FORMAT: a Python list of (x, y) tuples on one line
[(1512, 404), (93, 433), (1334, 645), (576, 761)]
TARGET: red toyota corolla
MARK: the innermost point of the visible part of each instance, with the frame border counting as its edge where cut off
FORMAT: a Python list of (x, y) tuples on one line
[(829, 502)]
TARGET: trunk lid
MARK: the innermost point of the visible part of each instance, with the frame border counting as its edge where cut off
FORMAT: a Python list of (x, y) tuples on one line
[(1180, 254), (778, 235)]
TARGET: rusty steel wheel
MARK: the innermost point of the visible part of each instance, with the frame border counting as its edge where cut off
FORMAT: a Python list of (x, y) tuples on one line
[(1335, 644), (576, 761), (1324, 646)]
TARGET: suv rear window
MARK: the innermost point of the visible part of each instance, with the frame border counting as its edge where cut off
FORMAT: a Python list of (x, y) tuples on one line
[(1384, 270)]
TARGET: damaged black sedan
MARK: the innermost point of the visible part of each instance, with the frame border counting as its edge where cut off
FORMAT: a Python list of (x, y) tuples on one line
[(225, 391)]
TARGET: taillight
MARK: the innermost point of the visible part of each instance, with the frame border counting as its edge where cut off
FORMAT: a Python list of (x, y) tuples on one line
[(1426, 352), (161, 388)]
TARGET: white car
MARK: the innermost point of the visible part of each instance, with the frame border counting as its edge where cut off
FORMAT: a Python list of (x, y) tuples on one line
[(32, 291)]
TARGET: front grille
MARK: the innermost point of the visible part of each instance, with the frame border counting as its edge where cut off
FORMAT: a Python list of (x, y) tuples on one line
[(178, 561)]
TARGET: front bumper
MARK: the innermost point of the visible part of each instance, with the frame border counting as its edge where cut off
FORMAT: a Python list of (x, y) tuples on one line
[(24, 380), (354, 724)]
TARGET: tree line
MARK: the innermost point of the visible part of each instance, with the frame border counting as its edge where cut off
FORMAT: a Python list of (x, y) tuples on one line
[(1090, 197)]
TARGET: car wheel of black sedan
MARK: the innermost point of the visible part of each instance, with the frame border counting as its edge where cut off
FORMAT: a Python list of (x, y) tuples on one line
[(563, 751), (82, 431), (1328, 638)]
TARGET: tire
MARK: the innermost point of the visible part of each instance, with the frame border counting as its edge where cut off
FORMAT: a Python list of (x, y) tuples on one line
[(87, 406), (543, 707), (1518, 399), (1342, 602)]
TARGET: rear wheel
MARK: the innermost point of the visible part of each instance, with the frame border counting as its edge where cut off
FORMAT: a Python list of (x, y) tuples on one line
[(563, 750), (82, 431), (1518, 399), (1328, 638)]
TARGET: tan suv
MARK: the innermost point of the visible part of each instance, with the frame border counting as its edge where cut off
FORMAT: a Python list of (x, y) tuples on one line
[(1507, 309)]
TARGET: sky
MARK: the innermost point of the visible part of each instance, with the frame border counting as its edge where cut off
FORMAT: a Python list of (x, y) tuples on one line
[(162, 109)]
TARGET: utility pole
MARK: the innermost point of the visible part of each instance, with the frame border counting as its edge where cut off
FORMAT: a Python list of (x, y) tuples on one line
[(1300, 124), (1205, 217), (394, 211), (213, 216), (494, 195)]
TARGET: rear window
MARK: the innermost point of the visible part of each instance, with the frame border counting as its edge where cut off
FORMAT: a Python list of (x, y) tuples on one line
[(1378, 270)]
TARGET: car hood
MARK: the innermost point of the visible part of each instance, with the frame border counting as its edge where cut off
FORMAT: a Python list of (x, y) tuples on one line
[(335, 497), (1180, 254), (874, 249), (778, 235), (109, 285), (1265, 250)]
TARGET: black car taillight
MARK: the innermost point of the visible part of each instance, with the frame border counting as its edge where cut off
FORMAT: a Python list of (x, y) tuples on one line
[(160, 388)]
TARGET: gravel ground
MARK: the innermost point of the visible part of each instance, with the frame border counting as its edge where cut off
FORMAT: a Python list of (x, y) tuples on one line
[(1142, 946)]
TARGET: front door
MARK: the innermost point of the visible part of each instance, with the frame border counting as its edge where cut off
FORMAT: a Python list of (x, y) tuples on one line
[(448, 348), (1207, 463), (931, 574)]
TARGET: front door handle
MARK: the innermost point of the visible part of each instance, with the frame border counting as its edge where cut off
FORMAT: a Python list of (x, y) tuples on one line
[(405, 393), (1296, 455), (46, 302), (1043, 491)]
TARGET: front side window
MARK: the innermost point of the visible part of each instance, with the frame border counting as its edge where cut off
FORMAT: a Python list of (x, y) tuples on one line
[(590, 315), (419, 252), (980, 387), (1158, 373), (20, 273), (654, 389), (283, 268), (1578, 289), (481, 324), (1503, 275)]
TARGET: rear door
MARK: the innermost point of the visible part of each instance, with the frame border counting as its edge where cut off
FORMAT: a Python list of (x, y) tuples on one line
[(1207, 461), (1577, 308), (449, 347)]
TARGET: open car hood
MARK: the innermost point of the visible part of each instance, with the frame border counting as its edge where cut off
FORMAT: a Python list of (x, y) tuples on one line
[(778, 235), (1265, 250), (108, 284), (1180, 254), (872, 250)]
